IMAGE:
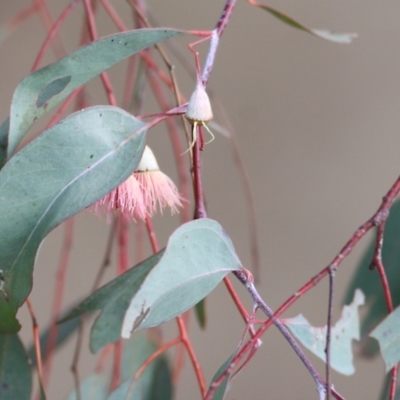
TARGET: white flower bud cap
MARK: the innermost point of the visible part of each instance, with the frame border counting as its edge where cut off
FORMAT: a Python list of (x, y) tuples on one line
[(148, 161), (199, 107)]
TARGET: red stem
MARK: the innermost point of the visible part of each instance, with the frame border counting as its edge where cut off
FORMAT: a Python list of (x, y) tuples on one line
[(200, 210), (36, 341), (52, 33), (93, 36)]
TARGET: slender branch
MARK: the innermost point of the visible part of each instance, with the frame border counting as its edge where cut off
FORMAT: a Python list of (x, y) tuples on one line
[(244, 279), (36, 340), (52, 34), (200, 210), (328, 334)]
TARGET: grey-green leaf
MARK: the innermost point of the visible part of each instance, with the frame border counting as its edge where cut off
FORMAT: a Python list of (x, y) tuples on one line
[(44, 88), (219, 394), (323, 34), (93, 387), (155, 382), (15, 372), (198, 256), (387, 333), (369, 282), (63, 171), (343, 332)]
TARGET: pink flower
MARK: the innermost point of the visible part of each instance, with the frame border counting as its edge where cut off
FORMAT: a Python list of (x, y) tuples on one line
[(145, 191), (158, 190)]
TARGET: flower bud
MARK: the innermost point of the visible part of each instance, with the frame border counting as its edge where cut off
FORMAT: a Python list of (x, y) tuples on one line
[(199, 108)]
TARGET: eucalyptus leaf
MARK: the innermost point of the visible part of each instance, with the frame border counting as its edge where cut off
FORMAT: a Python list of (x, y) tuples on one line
[(323, 34), (198, 256), (369, 282), (387, 333), (63, 171), (15, 371), (343, 332), (93, 387), (219, 394), (113, 299), (48, 86), (155, 382), (200, 312)]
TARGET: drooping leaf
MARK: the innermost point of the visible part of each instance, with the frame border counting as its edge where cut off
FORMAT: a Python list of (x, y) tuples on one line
[(93, 387), (70, 166), (46, 87), (155, 382), (200, 309), (387, 333), (323, 34), (198, 256), (15, 372), (113, 299), (342, 334), (219, 394), (369, 282)]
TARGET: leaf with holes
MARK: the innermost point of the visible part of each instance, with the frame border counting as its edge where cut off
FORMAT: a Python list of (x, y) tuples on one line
[(387, 333), (342, 334), (60, 173), (369, 282)]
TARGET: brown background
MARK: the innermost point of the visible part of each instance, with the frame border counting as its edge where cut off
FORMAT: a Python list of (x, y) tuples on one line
[(317, 124)]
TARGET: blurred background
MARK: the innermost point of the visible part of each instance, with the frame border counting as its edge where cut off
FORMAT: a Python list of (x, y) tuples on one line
[(317, 125)]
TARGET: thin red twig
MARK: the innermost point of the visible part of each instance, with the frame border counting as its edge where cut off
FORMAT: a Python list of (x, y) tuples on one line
[(52, 34), (36, 341), (148, 361)]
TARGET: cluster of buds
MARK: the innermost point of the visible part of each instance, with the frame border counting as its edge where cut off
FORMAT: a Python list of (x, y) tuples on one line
[(142, 194)]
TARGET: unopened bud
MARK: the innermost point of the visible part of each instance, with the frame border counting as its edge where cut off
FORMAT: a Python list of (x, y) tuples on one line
[(199, 108)]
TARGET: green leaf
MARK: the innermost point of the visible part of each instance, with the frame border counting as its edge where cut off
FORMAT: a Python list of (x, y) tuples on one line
[(200, 309), (15, 372), (155, 383), (387, 333), (198, 256), (63, 171), (342, 334), (94, 387), (113, 299), (46, 87), (323, 34), (219, 394), (369, 282)]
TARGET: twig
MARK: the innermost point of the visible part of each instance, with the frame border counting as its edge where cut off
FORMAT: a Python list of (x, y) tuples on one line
[(244, 279), (328, 333)]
